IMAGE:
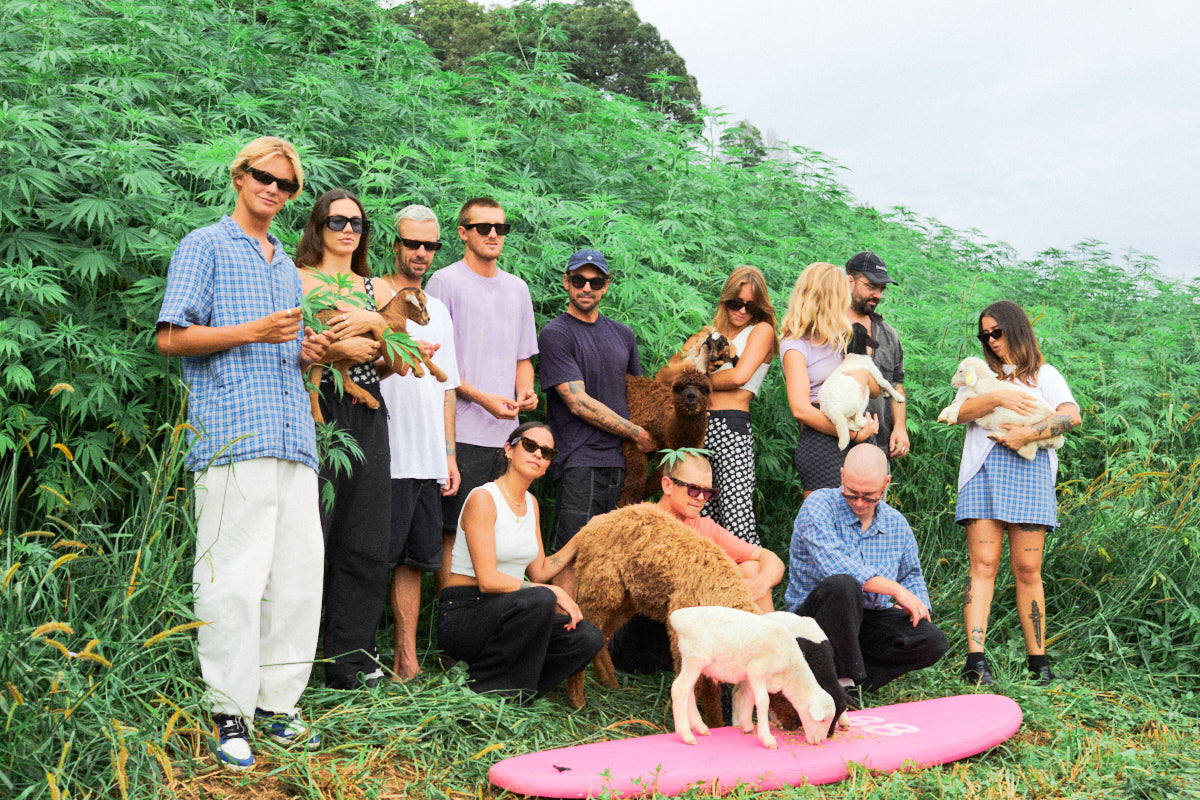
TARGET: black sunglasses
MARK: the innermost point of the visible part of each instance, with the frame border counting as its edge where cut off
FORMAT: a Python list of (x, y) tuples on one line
[(530, 446), (485, 228), (337, 223), (597, 283), (994, 333), (707, 492), (737, 304), (266, 179), (417, 244)]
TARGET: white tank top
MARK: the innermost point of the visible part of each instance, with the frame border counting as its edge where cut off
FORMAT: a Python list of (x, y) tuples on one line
[(516, 538), (740, 341)]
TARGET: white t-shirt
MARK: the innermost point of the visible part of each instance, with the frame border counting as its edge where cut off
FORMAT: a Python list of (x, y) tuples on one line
[(416, 421), (516, 538), (754, 382), (1051, 387)]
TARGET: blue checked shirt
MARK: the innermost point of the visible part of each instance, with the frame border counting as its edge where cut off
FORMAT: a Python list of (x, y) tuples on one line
[(249, 401), (827, 539)]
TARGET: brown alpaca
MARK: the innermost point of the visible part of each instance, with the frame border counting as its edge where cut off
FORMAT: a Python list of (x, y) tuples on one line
[(706, 350), (640, 560), (675, 414), (407, 304)]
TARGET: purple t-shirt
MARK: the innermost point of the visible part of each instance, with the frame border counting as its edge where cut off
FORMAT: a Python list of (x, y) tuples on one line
[(821, 360), (493, 330), (600, 354)]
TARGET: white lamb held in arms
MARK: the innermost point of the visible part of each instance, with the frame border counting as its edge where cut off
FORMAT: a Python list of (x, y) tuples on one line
[(974, 374), (843, 397), (747, 649)]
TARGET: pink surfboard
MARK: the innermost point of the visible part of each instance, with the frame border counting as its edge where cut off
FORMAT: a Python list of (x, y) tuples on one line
[(902, 736)]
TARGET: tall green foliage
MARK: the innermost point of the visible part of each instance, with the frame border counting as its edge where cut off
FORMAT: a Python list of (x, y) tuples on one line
[(117, 124)]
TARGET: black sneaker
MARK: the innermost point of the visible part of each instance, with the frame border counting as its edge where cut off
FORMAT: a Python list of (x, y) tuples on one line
[(978, 676), (233, 742), (1042, 676)]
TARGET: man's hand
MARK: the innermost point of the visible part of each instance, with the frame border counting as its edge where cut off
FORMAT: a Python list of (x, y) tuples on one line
[(898, 446), (277, 327), (312, 349), (645, 442), (760, 586), (428, 348), (917, 610), (498, 406), (454, 479), (527, 401)]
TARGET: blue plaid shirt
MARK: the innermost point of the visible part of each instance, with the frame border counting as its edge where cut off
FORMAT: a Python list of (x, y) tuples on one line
[(827, 539), (249, 401)]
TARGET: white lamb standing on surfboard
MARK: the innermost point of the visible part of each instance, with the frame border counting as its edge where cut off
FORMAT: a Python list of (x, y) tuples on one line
[(974, 373), (752, 651)]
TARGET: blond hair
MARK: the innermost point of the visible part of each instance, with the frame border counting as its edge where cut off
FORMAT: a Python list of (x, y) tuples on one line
[(817, 308), (741, 276), (265, 147)]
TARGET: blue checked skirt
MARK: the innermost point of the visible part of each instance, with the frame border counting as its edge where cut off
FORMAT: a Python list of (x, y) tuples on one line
[(1010, 489)]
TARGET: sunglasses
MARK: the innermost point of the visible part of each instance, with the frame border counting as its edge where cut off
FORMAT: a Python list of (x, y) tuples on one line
[(597, 283), (852, 496), (530, 446), (337, 223), (737, 304), (485, 228), (417, 244), (994, 333), (266, 179), (707, 492)]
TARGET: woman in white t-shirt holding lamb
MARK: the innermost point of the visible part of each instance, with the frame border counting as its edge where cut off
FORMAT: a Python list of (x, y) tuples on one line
[(1000, 491)]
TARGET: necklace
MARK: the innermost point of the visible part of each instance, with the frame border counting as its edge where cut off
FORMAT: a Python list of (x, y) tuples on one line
[(513, 504)]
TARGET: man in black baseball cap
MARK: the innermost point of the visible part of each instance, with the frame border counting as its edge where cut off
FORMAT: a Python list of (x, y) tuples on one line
[(868, 279)]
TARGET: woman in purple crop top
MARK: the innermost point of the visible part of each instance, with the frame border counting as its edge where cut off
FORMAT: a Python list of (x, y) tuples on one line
[(814, 335)]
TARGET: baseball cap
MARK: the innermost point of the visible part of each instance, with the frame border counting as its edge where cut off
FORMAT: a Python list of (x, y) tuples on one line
[(587, 258), (870, 266)]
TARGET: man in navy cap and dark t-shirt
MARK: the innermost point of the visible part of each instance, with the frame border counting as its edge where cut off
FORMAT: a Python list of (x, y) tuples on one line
[(584, 357)]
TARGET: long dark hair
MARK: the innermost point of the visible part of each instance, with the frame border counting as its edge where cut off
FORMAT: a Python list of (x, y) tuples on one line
[(312, 244), (1022, 345), (501, 465)]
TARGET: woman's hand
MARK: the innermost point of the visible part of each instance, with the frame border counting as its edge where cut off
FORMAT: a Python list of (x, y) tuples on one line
[(868, 430), (357, 322), (1016, 400), (1013, 436), (355, 349), (567, 606)]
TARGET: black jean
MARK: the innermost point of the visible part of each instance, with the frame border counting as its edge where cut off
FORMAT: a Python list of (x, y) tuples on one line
[(582, 493), (476, 466), (514, 643), (871, 646)]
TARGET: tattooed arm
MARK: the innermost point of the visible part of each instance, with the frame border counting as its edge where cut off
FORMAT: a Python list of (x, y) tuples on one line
[(1064, 418), (598, 415)]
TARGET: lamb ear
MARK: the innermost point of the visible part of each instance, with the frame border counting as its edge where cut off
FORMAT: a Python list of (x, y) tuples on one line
[(970, 377)]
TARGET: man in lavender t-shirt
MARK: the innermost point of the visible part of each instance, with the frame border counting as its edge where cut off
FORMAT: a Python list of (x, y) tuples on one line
[(495, 340)]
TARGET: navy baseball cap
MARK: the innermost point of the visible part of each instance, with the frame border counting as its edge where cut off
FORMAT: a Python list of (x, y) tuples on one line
[(587, 258)]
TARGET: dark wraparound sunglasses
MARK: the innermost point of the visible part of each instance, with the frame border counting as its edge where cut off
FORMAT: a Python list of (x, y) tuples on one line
[(994, 333), (597, 283), (417, 244), (707, 492), (530, 446), (266, 179), (485, 228), (337, 223), (737, 304)]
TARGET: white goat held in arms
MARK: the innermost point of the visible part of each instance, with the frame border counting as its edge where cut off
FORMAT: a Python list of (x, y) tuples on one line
[(755, 652), (843, 397), (974, 374)]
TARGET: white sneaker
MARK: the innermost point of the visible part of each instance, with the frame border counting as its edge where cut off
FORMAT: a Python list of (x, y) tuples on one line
[(287, 731), (233, 742)]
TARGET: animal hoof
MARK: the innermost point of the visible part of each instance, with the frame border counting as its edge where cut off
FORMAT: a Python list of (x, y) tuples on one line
[(688, 739), (770, 743)]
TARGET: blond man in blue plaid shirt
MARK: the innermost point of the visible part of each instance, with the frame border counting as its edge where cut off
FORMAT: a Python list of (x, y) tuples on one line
[(854, 568)]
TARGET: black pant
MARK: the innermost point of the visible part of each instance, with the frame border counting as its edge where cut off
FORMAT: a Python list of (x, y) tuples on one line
[(514, 643), (476, 466), (582, 493), (642, 645), (871, 646), (357, 537)]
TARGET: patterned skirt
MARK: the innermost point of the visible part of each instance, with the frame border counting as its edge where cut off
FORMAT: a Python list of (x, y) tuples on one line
[(1010, 489)]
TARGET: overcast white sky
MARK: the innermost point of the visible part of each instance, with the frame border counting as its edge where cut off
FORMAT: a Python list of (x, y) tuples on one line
[(1039, 123)]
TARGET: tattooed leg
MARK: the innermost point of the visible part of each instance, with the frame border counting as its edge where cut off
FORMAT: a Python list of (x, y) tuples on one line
[(1026, 543), (985, 539)]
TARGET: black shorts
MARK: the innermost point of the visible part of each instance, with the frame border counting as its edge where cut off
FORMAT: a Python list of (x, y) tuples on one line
[(416, 524)]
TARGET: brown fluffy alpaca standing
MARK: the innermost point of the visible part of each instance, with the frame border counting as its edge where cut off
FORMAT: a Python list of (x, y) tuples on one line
[(640, 560), (407, 304), (675, 414)]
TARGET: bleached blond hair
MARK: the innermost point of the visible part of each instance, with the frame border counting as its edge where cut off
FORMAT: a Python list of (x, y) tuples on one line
[(817, 308), (265, 147)]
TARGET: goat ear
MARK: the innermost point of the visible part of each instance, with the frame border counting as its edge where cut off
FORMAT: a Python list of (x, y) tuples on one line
[(412, 298)]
